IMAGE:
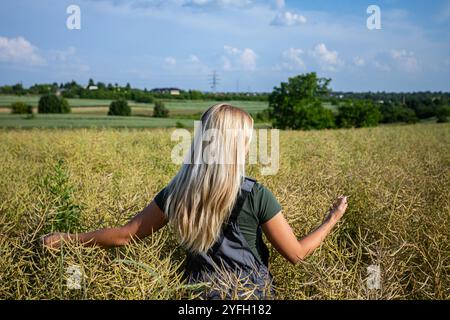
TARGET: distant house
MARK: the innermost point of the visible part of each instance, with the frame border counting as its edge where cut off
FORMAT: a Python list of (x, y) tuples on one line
[(60, 91), (92, 88), (337, 95), (171, 91)]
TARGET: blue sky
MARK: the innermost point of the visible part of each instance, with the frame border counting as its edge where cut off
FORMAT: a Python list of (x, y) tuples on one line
[(253, 45)]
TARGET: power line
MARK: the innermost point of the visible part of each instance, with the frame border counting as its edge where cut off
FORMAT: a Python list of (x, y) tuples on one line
[(214, 81)]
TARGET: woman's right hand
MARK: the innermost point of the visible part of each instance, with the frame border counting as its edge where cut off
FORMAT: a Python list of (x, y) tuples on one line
[(337, 210)]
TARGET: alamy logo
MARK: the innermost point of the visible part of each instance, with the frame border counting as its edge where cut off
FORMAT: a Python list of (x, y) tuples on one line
[(374, 20), (374, 277), (74, 277), (73, 21), (208, 147)]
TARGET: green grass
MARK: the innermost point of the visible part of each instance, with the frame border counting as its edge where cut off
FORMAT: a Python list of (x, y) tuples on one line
[(175, 106), (69, 121), (87, 121), (7, 100), (199, 106)]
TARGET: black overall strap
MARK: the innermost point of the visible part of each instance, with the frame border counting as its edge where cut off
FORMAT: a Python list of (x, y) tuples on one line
[(246, 189), (232, 252)]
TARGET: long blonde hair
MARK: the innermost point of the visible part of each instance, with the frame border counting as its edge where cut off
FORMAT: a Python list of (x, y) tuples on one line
[(202, 194)]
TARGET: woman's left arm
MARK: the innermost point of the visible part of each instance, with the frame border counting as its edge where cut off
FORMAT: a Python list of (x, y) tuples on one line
[(149, 220)]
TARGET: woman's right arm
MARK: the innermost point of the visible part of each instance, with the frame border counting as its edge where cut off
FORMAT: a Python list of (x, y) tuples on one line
[(140, 226), (280, 234)]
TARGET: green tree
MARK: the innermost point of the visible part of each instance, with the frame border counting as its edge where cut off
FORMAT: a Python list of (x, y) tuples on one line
[(101, 85), (119, 107), (51, 103), (64, 105), (297, 103), (313, 116), (442, 114), (142, 96), (160, 110), (21, 108), (18, 89), (262, 116), (358, 114), (422, 105), (195, 95), (397, 113)]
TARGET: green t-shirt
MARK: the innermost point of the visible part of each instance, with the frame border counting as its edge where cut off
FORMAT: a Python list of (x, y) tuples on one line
[(259, 207)]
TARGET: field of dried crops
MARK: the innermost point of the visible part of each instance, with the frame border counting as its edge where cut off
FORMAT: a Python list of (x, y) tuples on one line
[(397, 179)]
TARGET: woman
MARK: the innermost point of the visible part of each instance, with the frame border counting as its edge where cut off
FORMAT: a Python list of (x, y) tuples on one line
[(218, 214)]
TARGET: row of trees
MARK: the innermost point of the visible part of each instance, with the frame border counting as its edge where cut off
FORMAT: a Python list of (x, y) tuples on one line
[(409, 109), (421, 102), (114, 92), (121, 108), (299, 104), (51, 103), (47, 104), (304, 102)]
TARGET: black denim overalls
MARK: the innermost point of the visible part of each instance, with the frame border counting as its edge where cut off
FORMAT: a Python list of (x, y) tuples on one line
[(229, 267)]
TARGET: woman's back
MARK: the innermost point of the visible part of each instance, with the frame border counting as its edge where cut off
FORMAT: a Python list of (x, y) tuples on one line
[(237, 264), (259, 207)]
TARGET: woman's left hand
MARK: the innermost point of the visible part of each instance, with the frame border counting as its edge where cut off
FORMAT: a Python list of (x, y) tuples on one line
[(53, 240)]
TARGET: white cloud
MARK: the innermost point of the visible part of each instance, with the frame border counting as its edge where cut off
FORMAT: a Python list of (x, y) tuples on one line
[(245, 59), (63, 55), (217, 3), (194, 59), (151, 5), (248, 59), (226, 63), (328, 59), (406, 60), (399, 60), (360, 62), (292, 60), (280, 4), (288, 19), (231, 50), (199, 2), (19, 51), (58, 62), (65, 63), (194, 65), (382, 66), (170, 61)]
